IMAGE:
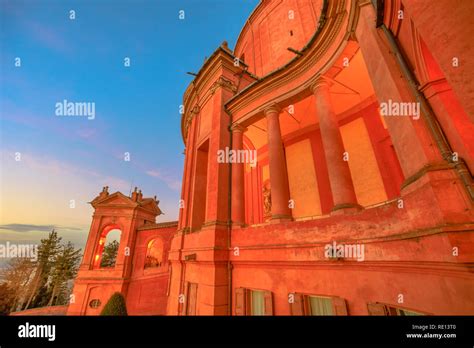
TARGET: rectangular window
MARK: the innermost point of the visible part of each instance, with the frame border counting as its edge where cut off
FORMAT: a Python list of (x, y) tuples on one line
[(302, 304), (387, 310), (257, 306), (320, 305), (405, 312), (253, 302)]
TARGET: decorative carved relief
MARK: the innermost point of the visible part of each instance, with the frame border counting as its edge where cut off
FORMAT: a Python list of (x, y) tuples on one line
[(224, 83)]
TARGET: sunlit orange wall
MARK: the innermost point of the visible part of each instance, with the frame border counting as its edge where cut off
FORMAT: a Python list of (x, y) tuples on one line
[(302, 179), (368, 184)]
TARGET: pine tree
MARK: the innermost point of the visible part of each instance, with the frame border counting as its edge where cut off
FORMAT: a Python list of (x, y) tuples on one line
[(47, 250), (63, 270), (115, 306), (109, 254), (44, 282)]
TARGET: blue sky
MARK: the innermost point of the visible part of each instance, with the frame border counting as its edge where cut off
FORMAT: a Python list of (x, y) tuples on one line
[(137, 107)]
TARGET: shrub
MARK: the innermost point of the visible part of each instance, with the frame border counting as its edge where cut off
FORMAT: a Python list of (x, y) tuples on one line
[(115, 305)]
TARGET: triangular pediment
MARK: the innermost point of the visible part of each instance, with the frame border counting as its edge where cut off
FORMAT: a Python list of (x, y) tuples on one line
[(114, 199), (118, 199)]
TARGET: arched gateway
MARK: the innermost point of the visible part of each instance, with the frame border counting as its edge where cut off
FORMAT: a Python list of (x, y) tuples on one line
[(142, 282)]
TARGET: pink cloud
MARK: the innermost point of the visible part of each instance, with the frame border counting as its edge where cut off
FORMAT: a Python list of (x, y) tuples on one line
[(54, 167)]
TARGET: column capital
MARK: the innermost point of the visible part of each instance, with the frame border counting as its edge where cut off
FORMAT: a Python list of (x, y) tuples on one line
[(272, 109), (238, 128), (321, 82)]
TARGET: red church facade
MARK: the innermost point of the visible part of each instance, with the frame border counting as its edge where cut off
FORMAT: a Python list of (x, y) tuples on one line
[(327, 171)]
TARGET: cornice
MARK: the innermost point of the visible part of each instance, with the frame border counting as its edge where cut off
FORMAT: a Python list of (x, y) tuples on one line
[(158, 225)]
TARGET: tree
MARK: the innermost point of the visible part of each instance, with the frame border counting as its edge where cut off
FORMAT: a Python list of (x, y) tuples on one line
[(109, 254), (44, 282), (41, 297), (63, 270), (47, 251), (17, 275), (7, 296), (115, 306)]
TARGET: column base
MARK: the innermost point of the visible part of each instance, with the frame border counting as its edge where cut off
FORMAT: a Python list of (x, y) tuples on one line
[(346, 208)]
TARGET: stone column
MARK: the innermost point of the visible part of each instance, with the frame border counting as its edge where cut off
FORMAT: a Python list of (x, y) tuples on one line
[(280, 192), (339, 173), (238, 184)]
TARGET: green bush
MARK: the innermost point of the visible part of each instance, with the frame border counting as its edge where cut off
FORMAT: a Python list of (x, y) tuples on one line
[(115, 305)]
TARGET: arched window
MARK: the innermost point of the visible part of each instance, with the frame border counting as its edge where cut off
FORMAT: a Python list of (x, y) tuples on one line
[(154, 254), (108, 248)]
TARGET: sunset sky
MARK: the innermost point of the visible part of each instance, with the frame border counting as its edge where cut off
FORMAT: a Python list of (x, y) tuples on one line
[(136, 108)]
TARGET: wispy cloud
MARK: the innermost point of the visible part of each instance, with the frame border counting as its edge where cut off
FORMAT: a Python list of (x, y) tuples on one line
[(26, 227), (170, 180), (60, 168), (32, 228)]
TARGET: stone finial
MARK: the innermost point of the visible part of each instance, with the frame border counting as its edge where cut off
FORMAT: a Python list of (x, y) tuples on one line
[(134, 194), (105, 192)]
